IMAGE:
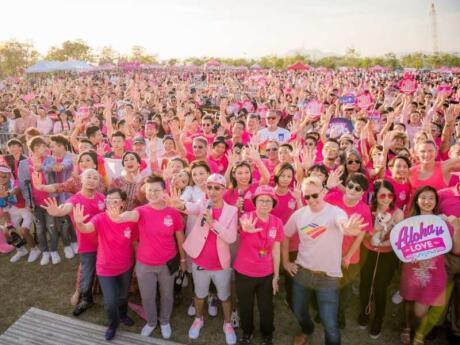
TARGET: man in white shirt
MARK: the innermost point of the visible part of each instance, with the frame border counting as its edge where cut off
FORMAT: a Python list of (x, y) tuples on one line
[(44, 123), (272, 131)]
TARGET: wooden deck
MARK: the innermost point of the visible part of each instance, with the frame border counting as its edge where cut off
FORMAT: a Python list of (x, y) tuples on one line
[(39, 327)]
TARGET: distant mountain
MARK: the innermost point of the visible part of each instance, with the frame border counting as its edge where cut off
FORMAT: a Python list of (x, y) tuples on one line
[(313, 53)]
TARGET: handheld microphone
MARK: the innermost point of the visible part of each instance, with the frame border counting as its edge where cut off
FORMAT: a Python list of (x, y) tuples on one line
[(208, 208)]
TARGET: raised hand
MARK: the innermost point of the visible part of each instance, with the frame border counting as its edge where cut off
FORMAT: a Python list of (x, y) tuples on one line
[(37, 180), (308, 156), (51, 206), (79, 214), (248, 224), (114, 212), (334, 178), (355, 224)]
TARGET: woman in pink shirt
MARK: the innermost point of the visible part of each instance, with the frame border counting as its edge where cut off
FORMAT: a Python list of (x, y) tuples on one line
[(158, 256), (115, 257), (257, 265)]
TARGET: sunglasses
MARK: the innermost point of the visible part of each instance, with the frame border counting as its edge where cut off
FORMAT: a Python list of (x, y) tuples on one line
[(351, 161), (198, 147), (385, 196), (357, 188), (313, 196), (271, 118), (206, 124), (216, 188)]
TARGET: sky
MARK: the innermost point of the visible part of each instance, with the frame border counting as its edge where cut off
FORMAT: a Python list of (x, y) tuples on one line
[(234, 28)]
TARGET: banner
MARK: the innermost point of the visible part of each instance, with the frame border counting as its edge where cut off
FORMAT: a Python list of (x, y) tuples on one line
[(339, 126), (348, 99), (364, 101), (420, 238)]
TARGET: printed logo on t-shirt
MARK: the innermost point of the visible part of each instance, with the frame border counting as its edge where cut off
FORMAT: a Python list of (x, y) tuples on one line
[(313, 230), (402, 195), (100, 205), (248, 196), (272, 232), (291, 204), (168, 221), (127, 233)]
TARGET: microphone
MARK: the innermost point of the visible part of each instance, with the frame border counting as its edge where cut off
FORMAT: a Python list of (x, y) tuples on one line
[(208, 208)]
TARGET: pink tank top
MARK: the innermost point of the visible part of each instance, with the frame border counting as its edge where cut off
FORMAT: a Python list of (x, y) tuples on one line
[(436, 180)]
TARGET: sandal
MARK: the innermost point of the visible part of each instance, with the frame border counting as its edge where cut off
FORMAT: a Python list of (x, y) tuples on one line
[(405, 336)]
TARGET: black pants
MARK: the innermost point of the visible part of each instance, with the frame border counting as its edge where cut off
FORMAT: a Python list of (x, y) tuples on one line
[(115, 290), (288, 280), (386, 267), (249, 288)]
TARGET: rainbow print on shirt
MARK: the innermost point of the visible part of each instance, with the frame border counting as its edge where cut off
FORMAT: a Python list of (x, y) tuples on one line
[(313, 230)]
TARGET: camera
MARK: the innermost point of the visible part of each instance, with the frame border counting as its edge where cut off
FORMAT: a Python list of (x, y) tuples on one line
[(14, 239)]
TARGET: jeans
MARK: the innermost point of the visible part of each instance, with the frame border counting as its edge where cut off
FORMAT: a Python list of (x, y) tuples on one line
[(328, 303), (67, 231), (247, 288), (87, 270), (115, 291), (45, 223)]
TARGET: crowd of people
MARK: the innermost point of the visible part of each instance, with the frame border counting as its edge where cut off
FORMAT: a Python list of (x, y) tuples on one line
[(231, 179)]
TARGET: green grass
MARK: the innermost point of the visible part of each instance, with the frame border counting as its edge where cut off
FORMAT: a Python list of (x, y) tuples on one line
[(24, 285)]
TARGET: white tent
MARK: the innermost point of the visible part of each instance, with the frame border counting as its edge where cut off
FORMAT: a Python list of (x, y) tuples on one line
[(54, 66)]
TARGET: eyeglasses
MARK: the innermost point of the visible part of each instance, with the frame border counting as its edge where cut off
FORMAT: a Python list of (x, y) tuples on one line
[(313, 196), (357, 188), (351, 161), (271, 118), (216, 188), (264, 201), (273, 149), (385, 196), (198, 147), (206, 124)]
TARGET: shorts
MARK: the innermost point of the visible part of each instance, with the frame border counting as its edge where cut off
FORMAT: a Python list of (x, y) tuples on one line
[(20, 214), (221, 278)]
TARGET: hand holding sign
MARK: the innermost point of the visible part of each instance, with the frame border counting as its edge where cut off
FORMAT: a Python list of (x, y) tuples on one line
[(364, 101), (408, 86), (314, 109)]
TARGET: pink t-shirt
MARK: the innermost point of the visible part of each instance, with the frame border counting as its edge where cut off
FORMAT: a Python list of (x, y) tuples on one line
[(402, 192), (231, 197), (87, 243), (38, 196), (115, 253), (336, 198), (221, 163), (157, 229), (284, 208), (254, 256), (209, 258)]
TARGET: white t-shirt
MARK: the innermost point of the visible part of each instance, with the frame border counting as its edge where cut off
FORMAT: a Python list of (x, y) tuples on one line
[(280, 135), (320, 247), (45, 126)]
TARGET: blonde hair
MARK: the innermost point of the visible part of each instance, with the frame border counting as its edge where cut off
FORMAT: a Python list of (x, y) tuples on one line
[(312, 180)]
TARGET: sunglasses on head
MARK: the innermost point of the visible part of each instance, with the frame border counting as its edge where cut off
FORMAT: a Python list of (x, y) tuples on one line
[(352, 186), (217, 188), (351, 161), (385, 196)]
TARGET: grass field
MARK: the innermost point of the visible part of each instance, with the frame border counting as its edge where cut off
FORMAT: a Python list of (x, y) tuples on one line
[(24, 285)]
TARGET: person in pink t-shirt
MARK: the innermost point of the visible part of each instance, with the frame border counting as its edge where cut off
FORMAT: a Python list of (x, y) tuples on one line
[(115, 257), (257, 264), (158, 255), (87, 243)]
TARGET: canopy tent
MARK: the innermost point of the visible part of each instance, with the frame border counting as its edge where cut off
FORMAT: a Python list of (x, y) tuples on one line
[(256, 66), (105, 67), (377, 68), (298, 66), (58, 66)]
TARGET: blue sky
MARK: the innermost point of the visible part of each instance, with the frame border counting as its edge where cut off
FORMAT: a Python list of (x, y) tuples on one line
[(236, 28)]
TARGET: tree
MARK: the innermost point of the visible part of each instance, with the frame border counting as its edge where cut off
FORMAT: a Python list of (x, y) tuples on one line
[(71, 50), (15, 56), (138, 53), (107, 55)]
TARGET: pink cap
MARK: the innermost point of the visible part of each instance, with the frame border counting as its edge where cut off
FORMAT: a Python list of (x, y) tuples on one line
[(265, 190), (217, 178)]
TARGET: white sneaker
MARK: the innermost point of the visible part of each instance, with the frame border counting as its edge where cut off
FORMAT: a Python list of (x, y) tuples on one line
[(166, 331), (45, 259), (194, 331), (397, 298), (235, 319), (212, 306), (191, 311), (20, 252), (74, 246), (55, 258), (68, 252), (230, 336), (147, 330), (34, 254)]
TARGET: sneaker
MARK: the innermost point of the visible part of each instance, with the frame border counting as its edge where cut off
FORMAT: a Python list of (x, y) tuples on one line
[(374, 329), (212, 306), (127, 321), (45, 259), (267, 341), (235, 319), (55, 258), (245, 339), (82, 307), (191, 311), (147, 330), (68, 252), (110, 333), (34, 254), (396, 298), (363, 320), (230, 336), (74, 246), (166, 331), (194, 331), (20, 252)]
